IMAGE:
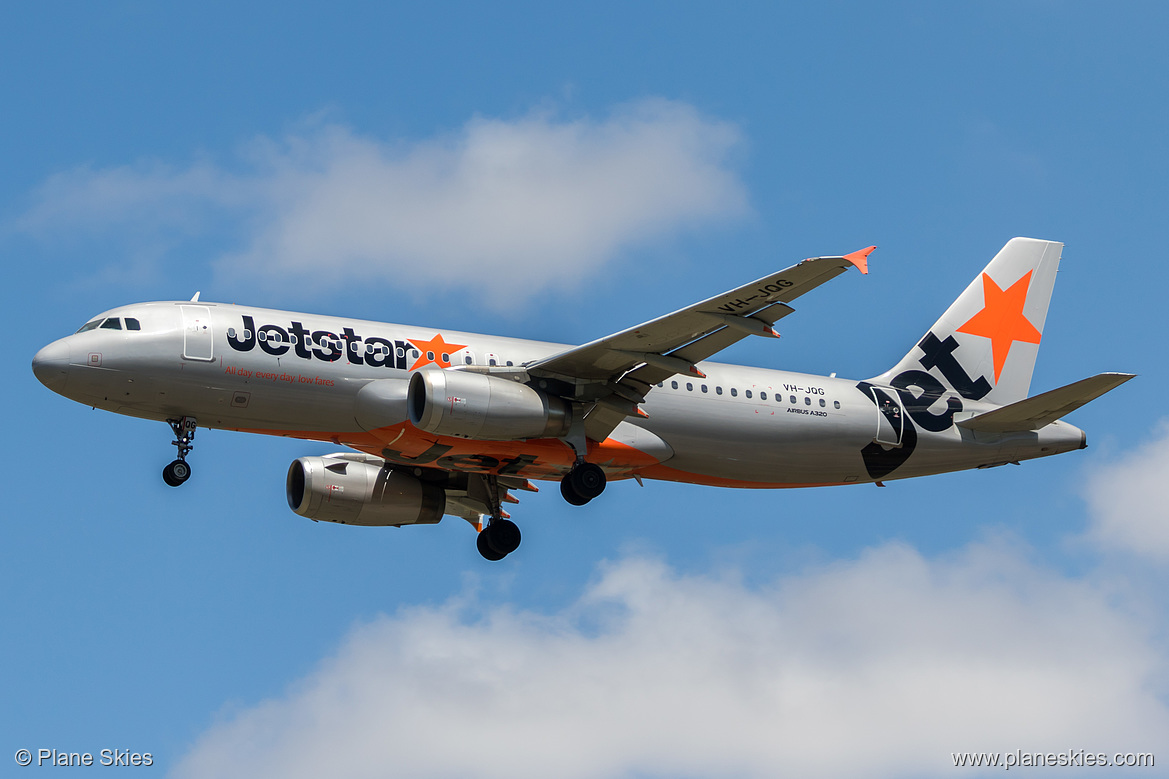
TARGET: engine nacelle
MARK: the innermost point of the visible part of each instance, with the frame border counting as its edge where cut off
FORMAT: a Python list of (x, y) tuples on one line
[(475, 405), (350, 492), (381, 403)]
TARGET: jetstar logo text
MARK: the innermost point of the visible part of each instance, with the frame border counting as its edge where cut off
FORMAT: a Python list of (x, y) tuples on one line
[(919, 392), (327, 346)]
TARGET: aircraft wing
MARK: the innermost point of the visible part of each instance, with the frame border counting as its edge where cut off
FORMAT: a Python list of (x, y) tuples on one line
[(628, 363)]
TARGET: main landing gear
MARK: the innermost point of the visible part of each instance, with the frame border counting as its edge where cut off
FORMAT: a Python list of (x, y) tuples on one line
[(583, 483), (498, 539), (501, 537), (179, 471)]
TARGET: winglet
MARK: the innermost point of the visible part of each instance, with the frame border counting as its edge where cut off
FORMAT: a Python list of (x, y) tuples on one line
[(861, 259)]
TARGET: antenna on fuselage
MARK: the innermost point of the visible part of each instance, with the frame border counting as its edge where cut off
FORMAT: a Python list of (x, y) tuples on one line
[(195, 299)]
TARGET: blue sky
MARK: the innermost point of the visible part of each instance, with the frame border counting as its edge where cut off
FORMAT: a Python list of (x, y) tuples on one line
[(669, 630)]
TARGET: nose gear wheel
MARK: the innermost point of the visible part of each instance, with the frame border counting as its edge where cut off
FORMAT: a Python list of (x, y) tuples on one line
[(178, 471)]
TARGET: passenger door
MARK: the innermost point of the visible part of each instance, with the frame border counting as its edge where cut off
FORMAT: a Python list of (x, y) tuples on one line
[(198, 337)]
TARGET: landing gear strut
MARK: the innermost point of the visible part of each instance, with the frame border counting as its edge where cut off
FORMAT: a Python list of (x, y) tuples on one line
[(583, 483), (501, 537), (179, 471)]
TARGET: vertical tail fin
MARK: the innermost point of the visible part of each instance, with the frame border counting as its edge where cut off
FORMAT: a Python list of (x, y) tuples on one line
[(984, 346)]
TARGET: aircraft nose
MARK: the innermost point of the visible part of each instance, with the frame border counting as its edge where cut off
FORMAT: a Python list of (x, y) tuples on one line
[(51, 365)]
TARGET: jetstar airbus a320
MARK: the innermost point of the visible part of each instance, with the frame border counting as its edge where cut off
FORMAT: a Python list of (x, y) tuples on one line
[(444, 422)]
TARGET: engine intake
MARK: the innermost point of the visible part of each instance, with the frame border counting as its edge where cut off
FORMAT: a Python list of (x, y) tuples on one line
[(334, 489), (475, 405)]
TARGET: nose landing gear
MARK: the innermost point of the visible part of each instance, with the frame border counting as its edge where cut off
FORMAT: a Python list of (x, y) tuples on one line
[(178, 471)]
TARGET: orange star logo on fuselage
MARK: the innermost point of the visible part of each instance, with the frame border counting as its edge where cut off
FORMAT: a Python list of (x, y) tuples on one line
[(1001, 319), (436, 351)]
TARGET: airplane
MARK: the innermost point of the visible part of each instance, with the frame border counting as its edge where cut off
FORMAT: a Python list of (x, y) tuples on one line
[(450, 423)]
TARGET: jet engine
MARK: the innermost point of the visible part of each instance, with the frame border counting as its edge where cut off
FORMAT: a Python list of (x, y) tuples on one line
[(352, 492), (474, 405)]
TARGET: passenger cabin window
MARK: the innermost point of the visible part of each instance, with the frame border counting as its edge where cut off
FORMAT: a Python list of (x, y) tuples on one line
[(673, 385), (747, 393), (113, 323), (793, 398), (734, 392), (133, 324), (836, 404), (822, 403), (467, 359), (807, 401), (763, 396), (718, 390)]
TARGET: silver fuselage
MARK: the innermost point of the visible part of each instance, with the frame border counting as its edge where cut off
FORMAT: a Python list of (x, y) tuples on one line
[(291, 374)]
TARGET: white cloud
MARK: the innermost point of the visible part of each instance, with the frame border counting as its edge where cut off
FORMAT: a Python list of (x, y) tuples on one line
[(879, 666), (500, 207), (1129, 500)]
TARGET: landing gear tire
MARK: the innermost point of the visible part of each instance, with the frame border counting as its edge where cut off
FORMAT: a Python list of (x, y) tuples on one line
[(176, 473), (485, 549), (569, 494), (498, 540), (583, 483)]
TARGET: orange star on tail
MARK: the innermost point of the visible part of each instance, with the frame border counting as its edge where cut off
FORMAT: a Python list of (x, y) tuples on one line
[(1001, 319)]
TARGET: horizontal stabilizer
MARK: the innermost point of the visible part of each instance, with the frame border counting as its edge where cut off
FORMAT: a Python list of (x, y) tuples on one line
[(1041, 410)]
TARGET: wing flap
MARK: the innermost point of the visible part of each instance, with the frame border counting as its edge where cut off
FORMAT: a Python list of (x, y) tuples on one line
[(1041, 410)]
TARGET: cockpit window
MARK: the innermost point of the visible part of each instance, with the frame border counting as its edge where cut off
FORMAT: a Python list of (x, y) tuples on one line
[(89, 326), (133, 324), (113, 323)]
